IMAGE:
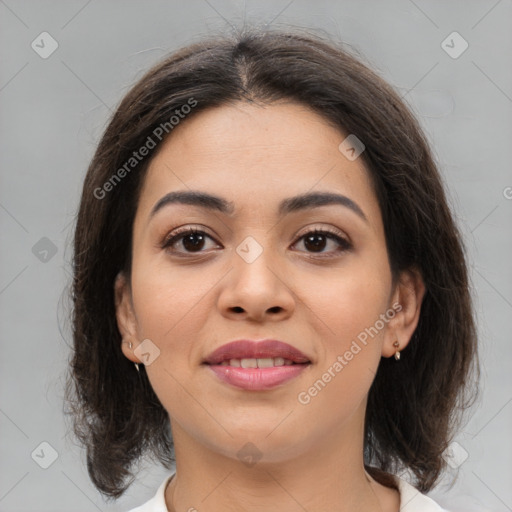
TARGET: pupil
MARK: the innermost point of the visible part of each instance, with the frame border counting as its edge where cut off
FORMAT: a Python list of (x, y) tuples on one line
[(314, 239), (189, 239)]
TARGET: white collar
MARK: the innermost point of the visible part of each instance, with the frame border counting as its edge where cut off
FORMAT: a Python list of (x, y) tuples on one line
[(411, 500)]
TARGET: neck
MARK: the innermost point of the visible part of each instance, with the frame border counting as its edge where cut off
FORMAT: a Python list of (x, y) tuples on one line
[(328, 475)]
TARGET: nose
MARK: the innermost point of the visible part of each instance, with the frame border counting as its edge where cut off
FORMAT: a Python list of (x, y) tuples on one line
[(257, 289)]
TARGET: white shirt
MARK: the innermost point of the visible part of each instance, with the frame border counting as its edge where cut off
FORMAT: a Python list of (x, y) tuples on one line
[(411, 500)]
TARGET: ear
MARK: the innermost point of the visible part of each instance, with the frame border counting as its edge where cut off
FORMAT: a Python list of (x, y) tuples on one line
[(125, 315), (406, 301)]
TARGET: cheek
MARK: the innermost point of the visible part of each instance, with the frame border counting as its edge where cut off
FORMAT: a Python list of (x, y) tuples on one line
[(167, 298), (351, 299), (349, 360), (170, 304), (349, 304)]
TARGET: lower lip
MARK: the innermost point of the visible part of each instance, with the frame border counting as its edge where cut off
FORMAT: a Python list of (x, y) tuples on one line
[(257, 379)]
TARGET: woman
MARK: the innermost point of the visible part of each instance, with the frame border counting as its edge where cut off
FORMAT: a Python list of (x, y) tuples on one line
[(263, 227)]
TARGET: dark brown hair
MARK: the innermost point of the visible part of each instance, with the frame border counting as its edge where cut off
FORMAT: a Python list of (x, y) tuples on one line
[(413, 407)]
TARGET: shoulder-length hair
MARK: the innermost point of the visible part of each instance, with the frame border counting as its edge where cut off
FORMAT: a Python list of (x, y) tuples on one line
[(413, 407)]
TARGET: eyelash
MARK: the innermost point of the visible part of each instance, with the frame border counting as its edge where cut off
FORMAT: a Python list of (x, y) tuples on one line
[(175, 236)]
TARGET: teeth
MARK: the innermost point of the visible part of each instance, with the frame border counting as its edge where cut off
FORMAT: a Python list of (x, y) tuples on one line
[(249, 363), (267, 362)]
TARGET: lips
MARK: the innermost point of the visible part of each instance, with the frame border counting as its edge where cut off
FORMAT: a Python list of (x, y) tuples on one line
[(248, 349), (257, 365)]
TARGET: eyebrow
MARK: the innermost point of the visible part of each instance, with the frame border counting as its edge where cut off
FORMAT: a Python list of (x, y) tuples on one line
[(286, 206)]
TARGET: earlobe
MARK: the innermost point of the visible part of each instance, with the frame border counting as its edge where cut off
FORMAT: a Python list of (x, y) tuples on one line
[(409, 293)]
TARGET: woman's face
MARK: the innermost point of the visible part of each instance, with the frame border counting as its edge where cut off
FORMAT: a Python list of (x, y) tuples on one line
[(254, 273)]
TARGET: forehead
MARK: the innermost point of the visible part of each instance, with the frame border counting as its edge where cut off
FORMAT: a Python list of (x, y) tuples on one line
[(255, 156)]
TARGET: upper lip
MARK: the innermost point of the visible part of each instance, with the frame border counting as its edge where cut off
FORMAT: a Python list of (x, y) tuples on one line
[(249, 349)]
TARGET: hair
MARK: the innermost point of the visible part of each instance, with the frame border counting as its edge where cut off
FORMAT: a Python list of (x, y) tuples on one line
[(414, 406)]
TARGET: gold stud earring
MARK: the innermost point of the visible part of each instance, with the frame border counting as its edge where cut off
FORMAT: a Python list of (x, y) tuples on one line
[(397, 353)]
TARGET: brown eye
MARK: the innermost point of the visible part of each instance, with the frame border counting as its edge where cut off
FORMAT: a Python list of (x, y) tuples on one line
[(316, 241), (192, 240)]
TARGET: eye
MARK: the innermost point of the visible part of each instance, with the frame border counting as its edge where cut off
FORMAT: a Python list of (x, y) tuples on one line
[(191, 239), (316, 240)]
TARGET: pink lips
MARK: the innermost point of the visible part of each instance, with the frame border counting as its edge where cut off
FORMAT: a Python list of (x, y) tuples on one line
[(256, 378), (247, 349)]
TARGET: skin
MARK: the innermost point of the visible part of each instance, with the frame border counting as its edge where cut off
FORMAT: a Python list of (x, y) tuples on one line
[(312, 455)]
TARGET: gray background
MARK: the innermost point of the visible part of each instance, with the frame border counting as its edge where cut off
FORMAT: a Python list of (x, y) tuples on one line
[(54, 109)]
